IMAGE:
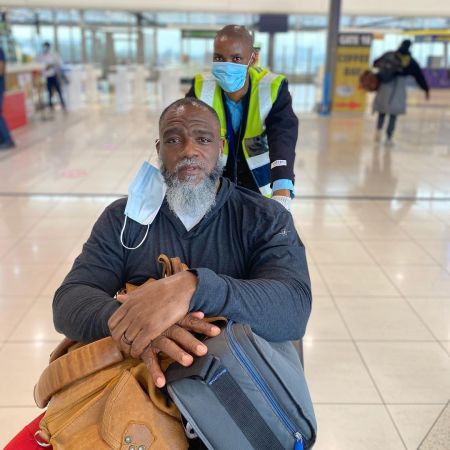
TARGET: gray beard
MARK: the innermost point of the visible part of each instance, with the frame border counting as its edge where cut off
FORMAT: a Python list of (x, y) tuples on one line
[(185, 198)]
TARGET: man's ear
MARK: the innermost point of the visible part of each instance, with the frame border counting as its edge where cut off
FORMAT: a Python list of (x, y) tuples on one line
[(158, 143), (221, 146)]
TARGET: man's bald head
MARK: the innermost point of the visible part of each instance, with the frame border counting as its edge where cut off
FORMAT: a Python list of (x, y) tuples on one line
[(191, 102), (236, 32)]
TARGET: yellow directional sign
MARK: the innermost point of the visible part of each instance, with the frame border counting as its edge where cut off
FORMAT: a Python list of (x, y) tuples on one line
[(353, 55)]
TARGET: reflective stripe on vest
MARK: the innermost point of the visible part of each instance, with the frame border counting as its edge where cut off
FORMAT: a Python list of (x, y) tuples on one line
[(224, 157), (266, 190), (207, 90), (207, 93), (258, 160), (265, 95)]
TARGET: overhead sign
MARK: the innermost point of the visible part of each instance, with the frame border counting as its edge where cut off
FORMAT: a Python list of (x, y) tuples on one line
[(353, 58), (433, 35), (199, 34), (433, 38)]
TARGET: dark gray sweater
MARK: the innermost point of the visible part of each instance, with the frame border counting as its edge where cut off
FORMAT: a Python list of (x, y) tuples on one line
[(246, 253)]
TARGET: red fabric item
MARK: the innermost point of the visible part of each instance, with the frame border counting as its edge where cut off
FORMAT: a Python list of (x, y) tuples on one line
[(14, 109), (25, 439)]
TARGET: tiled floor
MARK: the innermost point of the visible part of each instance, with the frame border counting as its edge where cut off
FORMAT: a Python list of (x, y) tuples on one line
[(375, 221)]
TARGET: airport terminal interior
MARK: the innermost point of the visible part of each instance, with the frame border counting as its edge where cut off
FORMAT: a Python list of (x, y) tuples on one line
[(373, 214)]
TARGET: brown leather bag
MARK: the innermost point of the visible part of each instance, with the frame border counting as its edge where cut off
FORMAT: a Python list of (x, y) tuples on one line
[(98, 399)]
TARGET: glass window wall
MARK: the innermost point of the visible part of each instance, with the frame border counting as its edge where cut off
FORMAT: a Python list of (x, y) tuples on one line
[(298, 53)]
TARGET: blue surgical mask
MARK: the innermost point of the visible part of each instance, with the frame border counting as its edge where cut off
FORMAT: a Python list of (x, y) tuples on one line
[(230, 76), (145, 196)]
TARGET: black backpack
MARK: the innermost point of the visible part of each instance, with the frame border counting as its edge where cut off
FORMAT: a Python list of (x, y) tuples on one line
[(390, 65)]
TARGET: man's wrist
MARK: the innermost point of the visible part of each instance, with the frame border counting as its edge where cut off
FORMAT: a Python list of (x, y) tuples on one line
[(188, 282), (284, 187), (283, 192)]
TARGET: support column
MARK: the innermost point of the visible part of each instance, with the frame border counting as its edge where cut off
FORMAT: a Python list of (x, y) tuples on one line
[(37, 40), (271, 59), (55, 44), (334, 17), (155, 47), (83, 39), (110, 54), (140, 45), (446, 61)]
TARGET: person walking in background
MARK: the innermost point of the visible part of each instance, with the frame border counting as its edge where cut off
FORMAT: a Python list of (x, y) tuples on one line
[(394, 68), (52, 72), (6, 139)]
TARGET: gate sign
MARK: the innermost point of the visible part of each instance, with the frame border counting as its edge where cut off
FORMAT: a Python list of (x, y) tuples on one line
[(353, 54)]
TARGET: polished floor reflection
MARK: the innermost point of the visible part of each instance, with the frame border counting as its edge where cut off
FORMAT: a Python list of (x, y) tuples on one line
[(375, 221)]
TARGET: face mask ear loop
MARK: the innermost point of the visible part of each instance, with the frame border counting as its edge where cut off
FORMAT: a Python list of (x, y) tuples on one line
[(150, 154), (123, 230), (251, 56)]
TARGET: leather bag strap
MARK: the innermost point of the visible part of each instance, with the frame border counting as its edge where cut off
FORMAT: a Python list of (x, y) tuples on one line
[(75, 365), (171, 266)]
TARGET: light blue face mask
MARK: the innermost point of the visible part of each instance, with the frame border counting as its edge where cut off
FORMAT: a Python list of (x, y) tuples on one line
[(230, 76), (145, 196)]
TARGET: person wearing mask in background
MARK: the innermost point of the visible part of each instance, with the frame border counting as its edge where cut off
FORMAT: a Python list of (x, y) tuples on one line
[(391, 96), (6, 139), (256, 116), (52, 72)]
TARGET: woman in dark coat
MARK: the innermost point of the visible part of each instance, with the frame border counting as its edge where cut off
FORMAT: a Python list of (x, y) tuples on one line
[(391, 96)]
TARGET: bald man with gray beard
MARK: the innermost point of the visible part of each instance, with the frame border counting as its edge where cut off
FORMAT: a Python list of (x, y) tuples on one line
[(246, 260)]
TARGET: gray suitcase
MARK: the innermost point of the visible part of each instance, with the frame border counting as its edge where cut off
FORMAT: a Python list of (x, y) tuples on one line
[(245, 394)]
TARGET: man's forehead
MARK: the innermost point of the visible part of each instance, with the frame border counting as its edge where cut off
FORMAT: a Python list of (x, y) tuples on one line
[(189, 116), (231, 42)]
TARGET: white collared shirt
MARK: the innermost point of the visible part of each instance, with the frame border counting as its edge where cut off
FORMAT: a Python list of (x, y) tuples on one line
[(50, 58)]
